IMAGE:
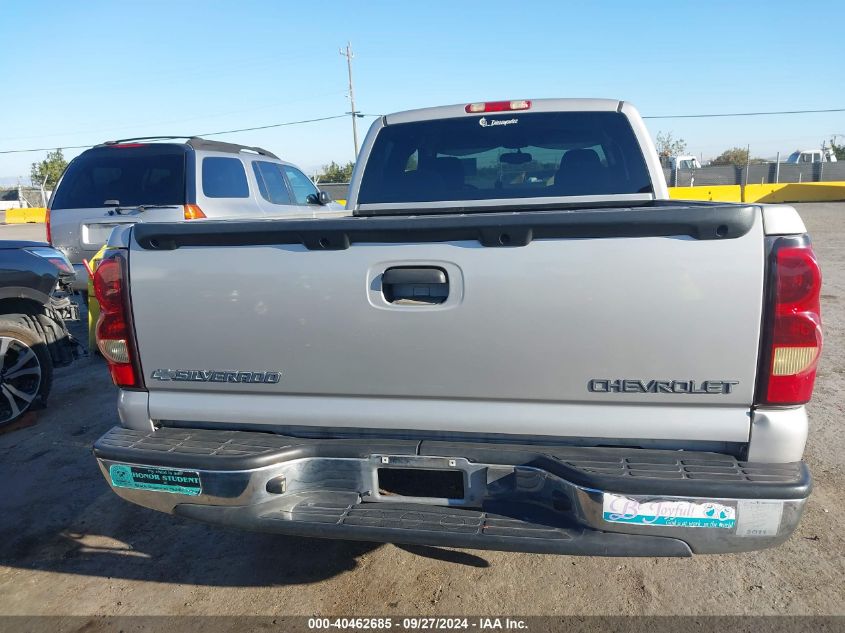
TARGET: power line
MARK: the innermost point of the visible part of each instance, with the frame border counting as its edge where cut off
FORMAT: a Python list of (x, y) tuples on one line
[(213, 115), (267, 127), (42, 149), (358, 114), (704, 116), (244, 129)]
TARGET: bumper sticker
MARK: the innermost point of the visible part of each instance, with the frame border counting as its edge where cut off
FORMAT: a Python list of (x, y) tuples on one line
[(667, 512), (182, 482), (759, 518)]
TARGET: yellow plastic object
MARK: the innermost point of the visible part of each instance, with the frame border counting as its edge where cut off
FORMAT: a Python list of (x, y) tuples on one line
[(795, 192), (15, 216), (710, 193), (35, 215), (93, 305), (32, 215)]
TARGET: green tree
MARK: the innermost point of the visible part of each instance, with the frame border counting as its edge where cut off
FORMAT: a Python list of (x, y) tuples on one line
[(838, 150), (336, 173), (737, 156), (668, 145), (47, 172)]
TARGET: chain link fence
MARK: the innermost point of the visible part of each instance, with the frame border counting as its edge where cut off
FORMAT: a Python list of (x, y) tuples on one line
[(22, 197), (767, 173), (337, 190)]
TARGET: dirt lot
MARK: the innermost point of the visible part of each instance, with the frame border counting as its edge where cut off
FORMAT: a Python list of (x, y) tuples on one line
[(69, 546)]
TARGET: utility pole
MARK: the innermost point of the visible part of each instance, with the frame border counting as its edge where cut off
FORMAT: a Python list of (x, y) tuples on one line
[(747, 163), (348, 54)]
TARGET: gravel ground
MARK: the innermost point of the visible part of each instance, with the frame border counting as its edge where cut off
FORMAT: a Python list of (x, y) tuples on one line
[(69, 546)]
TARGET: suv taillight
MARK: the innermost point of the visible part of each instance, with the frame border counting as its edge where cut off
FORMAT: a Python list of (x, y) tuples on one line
[(792, 340), (115, 334), (193, 212), (47, 226)]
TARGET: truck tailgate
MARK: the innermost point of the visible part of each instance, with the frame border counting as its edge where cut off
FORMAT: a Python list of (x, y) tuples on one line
[(590, 335)]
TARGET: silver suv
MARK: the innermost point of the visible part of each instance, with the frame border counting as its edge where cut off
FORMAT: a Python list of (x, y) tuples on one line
[(136, 180)]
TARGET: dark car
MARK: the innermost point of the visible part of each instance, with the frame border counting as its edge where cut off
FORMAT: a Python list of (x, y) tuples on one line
[(34, 305)]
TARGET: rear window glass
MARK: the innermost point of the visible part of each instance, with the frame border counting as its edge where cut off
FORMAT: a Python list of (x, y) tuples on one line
[(224, 178), (128, 175), (511, 155)]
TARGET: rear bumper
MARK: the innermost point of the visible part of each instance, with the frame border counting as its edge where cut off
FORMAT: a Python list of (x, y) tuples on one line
[(80, 282), (564, 500)]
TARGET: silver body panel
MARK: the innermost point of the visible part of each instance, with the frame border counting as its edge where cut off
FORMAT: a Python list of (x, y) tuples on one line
[(521, 334), (777, 436), (781, 219)]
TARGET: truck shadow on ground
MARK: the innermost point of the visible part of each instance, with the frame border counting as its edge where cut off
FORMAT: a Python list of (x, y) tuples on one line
[(109, 538), (57, 513), (112, 539)]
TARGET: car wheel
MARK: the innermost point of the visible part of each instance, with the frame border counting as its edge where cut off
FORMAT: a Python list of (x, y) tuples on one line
[(26, 371)]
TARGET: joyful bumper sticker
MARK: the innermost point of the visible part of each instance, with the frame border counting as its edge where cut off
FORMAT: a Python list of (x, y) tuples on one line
[(667, 512)]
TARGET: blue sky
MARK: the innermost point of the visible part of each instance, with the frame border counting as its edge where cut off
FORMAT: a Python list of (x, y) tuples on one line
[(83, 72)]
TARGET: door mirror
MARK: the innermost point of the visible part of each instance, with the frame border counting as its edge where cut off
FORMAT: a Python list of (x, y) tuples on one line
[(321, 197)]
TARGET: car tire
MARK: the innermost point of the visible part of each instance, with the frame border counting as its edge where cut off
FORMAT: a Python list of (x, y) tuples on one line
[(26, 369)]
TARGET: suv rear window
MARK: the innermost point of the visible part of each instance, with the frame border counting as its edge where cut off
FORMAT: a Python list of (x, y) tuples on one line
[(224, 178), (130, 175), (507, 155)]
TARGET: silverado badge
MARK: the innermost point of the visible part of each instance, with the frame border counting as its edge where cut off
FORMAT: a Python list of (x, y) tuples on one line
[(216, 375)]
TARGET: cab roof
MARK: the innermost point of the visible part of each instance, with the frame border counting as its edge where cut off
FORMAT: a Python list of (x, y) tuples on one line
[(536, 105)]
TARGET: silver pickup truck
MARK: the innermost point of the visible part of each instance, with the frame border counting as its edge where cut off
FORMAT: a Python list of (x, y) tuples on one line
[(515, 341)]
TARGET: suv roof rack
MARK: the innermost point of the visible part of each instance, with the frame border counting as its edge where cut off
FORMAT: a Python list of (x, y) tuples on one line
[(197, 142), (219, 146), (140, 138)]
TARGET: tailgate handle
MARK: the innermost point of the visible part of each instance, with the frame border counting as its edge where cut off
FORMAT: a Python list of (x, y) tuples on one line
[(406, 285)]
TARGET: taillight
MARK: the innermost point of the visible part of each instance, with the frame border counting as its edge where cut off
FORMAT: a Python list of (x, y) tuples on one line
[(497, 106), (54, 256), (47, 226), (793, 340), (193, 212), (115, 335)]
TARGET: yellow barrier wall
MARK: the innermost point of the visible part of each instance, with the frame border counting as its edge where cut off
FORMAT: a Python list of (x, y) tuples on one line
[(712, 193), (36, 214), (15, 216), (25, 216), (795, 192), (783, 192)]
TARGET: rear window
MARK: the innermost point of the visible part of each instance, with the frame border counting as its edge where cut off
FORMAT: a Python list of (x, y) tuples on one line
[(512, 155), (131, 176), (224, 178)]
